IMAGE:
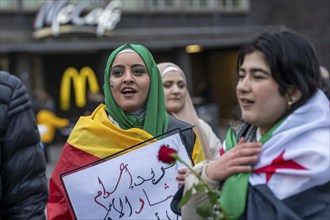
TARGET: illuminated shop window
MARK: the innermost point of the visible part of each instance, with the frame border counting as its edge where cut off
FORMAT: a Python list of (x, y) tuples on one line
[(132, 5), (186, 5), (32, 5), (4, 64), (8, 5), (141, 5)]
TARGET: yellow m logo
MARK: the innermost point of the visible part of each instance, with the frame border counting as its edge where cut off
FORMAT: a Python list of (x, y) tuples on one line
[(79, 85)]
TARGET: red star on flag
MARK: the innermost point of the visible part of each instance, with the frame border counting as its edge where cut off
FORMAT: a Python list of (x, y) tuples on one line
[(278, 163)]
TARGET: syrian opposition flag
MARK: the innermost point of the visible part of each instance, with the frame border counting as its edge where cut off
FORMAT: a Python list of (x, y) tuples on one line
[(291, 178), (292, 175), (296, 157), (93, 138)]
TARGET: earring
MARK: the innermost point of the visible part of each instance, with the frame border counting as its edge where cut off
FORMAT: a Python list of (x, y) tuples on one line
[(291, 101)]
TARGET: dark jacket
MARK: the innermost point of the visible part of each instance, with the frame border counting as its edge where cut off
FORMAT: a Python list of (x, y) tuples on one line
[(188, 137), (188, 134), (23, 183)]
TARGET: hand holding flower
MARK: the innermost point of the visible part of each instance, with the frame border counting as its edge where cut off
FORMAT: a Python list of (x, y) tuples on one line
[(236, 160), (205, 210)]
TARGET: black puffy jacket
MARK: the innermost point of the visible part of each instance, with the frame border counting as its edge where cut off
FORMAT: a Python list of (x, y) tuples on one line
[(23, 183)]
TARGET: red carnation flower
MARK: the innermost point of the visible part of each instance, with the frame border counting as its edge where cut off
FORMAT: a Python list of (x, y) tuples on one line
[(165, 154)]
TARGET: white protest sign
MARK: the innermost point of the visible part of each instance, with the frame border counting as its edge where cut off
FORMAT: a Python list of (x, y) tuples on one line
[(132, 186)]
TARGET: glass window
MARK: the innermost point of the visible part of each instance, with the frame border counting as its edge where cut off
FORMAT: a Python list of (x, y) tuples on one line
[(8, 5), (160, 5), (142, 5), (4, 64), (132, 5), (185, 5), (32, 4)]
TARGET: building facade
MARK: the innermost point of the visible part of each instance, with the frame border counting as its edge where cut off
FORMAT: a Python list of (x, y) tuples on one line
[(62, 45)]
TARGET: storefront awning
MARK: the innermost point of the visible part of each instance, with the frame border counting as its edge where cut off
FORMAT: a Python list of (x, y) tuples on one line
[(153, 38)]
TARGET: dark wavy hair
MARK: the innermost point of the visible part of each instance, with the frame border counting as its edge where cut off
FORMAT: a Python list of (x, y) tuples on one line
[(292, 60)]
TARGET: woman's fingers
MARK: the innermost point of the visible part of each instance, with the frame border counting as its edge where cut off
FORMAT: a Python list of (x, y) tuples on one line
[(238, 159), (247, 160), (180, 179), (248, 150), (239, 169), (182, 173)]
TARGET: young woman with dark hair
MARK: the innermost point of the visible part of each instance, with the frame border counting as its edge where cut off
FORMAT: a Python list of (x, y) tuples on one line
[(275, 164)]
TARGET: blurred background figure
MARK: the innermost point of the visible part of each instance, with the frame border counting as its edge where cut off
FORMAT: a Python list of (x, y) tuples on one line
[(205, 92), (325, 77), (42, 100), (23, 183), (94, 99), (178, 104), (48, 121)]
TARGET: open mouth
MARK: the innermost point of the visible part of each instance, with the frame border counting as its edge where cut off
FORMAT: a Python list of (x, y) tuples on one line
[(247, 101), (128, 91)]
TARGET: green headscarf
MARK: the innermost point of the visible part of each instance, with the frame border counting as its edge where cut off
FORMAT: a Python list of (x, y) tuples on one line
[(155, 120)]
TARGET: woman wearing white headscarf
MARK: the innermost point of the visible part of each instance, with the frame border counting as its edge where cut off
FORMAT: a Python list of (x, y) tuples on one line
[(179, 105)]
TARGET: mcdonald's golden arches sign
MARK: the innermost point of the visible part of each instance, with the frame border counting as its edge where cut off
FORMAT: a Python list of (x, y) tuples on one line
[(79, 81)]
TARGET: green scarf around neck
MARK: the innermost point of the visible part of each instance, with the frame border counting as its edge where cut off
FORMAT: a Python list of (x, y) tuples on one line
[(155, 119), (234, 193)]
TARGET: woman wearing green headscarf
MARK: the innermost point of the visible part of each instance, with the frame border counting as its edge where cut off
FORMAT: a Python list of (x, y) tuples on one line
[(134, 112)]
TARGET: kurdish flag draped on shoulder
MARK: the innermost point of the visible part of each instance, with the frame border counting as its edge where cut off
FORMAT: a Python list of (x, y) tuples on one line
[(94, 137)]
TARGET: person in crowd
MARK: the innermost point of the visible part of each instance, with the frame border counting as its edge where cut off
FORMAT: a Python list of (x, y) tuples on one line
[(42, 100), (93, 100), (204, 92), (23, 183), (134, 111), (284, 110), (48, 123), (178, 104)]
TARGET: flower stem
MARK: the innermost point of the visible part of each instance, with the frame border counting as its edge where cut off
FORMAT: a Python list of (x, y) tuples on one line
[(193, 171)]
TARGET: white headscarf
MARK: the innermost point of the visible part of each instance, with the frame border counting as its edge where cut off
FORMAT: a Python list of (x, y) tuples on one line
[(187, 113)]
